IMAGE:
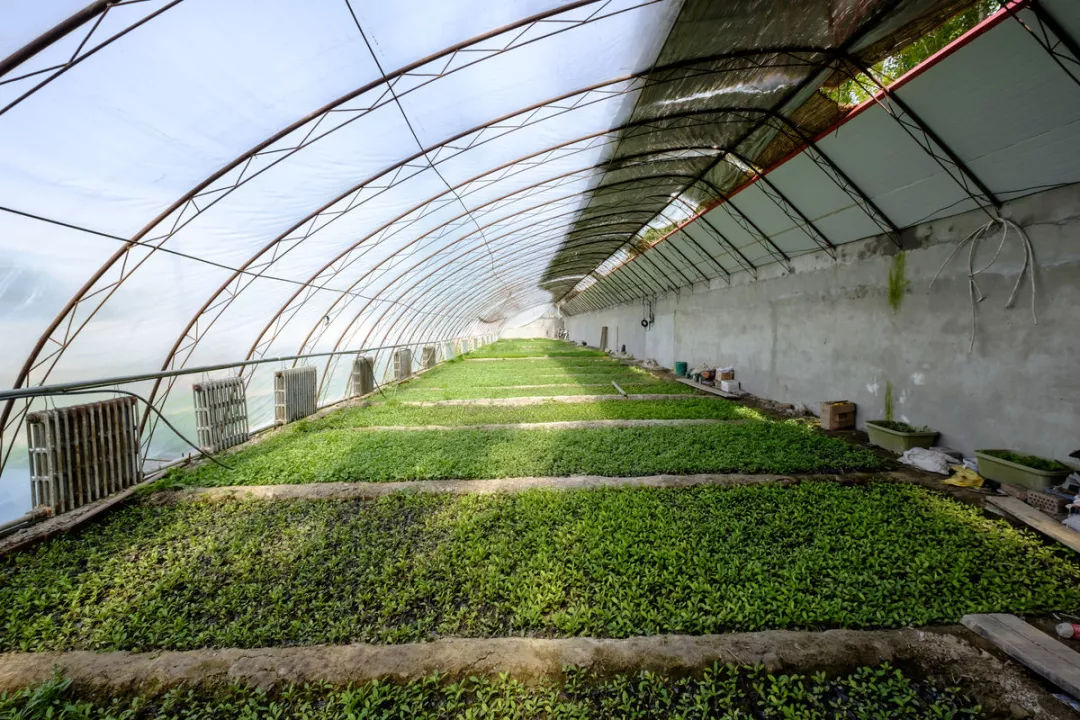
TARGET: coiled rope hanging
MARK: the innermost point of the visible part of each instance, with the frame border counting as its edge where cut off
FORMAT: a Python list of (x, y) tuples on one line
[(972, 241)]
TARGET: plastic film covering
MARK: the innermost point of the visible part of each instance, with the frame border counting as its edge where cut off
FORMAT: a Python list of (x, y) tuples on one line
[(933, 144), (193, 182), (749, 104)]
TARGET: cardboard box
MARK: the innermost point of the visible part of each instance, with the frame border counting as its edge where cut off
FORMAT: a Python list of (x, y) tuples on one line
[(730, 386), (725, 373), (837, 415)]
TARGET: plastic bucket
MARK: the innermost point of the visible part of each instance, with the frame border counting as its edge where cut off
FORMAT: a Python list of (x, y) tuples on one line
[(680, 368)]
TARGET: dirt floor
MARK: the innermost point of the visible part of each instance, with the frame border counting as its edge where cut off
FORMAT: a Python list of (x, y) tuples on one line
[(949, 655)]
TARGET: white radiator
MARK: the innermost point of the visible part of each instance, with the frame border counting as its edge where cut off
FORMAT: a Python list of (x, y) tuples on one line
[(427, 358), (402, 363), (221, 417), (82, 453), (294, 393), (362, 377)]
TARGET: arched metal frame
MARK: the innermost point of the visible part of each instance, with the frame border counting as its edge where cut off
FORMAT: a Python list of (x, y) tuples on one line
[(648, 124), (93, 14), (98, 289), (1046, 32), (188, 206)]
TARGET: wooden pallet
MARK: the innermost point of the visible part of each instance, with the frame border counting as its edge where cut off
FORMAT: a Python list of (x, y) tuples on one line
[(1030, 646), (1035, 520)]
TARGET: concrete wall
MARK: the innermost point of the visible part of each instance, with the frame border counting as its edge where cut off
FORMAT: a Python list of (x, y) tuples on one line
[(827, 331)]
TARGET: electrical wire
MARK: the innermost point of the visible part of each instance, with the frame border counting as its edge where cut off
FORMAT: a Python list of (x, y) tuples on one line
[(1030, 188), (419, 144), (976, 295), (214, 263)]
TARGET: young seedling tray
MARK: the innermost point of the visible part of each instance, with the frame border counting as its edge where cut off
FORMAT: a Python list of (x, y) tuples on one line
[(897, 440), (1006, 471)]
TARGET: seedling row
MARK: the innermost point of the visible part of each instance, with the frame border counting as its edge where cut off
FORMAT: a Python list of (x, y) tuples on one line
[(608, 563)]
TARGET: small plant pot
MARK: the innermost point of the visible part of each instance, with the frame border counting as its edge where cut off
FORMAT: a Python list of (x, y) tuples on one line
[(896, 440), (1007, 471)]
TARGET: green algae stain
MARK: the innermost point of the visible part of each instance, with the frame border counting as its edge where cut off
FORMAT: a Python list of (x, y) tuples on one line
[(897, 281), (888, 400)]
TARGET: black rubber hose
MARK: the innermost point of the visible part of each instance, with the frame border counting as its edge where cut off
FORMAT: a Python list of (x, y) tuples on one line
[(163, 419)]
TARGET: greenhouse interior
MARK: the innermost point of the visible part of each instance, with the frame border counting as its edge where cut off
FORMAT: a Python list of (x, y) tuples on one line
[(540, 359)]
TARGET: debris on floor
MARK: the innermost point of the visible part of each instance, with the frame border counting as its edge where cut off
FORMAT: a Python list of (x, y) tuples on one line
[(964, 477), (1029, 646), (1068, 631), (933, 460), (1051, 501)]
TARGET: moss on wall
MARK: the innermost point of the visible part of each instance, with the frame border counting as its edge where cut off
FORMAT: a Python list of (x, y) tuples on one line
[(897, 280), (888, 400)]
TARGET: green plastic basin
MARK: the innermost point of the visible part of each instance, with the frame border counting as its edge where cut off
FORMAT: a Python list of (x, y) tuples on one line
[(896, 440), (1006, 471)]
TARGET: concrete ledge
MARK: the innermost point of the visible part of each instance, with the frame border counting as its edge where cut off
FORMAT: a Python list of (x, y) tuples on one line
[(368, 490), (944, 653), (559, 425), (539, 400), (569, 359), (541, 385)]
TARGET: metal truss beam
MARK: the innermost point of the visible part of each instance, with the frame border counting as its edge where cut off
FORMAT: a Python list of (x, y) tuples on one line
[(1051, 37), (99, 288), (924, 136), (94, 13)]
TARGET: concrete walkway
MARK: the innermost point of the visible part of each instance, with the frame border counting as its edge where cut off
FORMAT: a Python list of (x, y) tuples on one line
[(539, 400), (557, 425), (946, 652), (586, 360), (368, 490), (541, 385)]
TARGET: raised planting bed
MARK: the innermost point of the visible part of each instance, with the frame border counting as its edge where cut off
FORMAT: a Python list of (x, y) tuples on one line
[(519, 373), (607, 563), (343, 455), (1029, 471), (535, 348), (541, 362), (898, 436), (394, 413), (728, 691), (428, 391)]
